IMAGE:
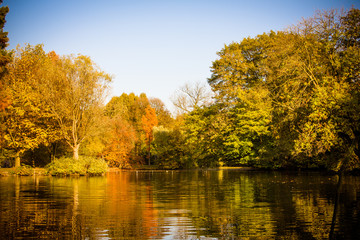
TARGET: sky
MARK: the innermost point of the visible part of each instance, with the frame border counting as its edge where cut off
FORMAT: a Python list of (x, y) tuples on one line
[(152, 46)]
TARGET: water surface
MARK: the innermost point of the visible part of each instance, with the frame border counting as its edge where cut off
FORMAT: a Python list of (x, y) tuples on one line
[(204, 204)]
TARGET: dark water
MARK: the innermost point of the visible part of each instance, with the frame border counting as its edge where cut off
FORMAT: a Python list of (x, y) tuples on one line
[(213, 204)]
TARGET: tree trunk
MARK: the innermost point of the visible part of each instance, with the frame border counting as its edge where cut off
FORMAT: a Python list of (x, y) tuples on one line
[(17, 159), (149, 156), (76, 152)]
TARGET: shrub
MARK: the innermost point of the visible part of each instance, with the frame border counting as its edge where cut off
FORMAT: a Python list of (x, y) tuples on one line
[(24, 170), (83, 166)]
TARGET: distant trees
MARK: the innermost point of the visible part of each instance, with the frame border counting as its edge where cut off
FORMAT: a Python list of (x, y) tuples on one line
[(119, 143), (138, 115), (280, 99), (190, 96), (149, 121)]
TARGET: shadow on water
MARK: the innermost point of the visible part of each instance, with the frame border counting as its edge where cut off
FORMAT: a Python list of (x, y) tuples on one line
[(336, 204), (201, 204)]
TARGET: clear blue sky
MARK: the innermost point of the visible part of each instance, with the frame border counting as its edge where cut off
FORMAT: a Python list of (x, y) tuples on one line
[(152, 46)]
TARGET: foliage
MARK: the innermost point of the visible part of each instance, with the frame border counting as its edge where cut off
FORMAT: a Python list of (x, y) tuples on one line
[(131, 109), (162, 114), (203, 129), (27, 121), (120, 143), (23, 170), (169, 148), (74, 90), (82, 166), (292, 94), (149, 121), (5, 58), (280, 99)]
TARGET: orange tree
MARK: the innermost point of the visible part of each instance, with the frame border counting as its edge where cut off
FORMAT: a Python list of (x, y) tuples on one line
[(121, 143), (149, 120)]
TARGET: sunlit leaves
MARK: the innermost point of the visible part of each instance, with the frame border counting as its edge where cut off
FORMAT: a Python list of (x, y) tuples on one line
[(28, 122), (293, 92), (120, 143), (74, 89)]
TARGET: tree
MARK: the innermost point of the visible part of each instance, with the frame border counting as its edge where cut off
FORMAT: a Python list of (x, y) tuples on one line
[(170, 148), (120, 144), (188, 97), (131, 109), (149, 120), (74, 90), (203, 132), (163, 115), (28, 121), (308, 78), (5, 58)]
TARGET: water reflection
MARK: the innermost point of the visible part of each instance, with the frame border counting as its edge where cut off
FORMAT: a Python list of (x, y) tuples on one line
[(224, 204)]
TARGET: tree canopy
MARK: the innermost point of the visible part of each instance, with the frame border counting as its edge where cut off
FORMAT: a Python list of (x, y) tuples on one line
[(280, 99)]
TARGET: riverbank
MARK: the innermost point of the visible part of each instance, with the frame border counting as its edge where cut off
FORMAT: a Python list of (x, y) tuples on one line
[(12, 171), (43, 171)]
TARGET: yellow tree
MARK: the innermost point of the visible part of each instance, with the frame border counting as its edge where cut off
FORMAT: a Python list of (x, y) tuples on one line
[(5, 57), (74, 90), (149, 120), (27, 121)]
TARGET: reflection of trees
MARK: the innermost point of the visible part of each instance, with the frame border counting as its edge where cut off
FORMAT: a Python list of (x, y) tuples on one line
[(229, 204), (219, 203), (130, 210), (349, 206), (183, 204)]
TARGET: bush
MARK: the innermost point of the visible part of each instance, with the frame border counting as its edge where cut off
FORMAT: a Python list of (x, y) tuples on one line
[(24, 170), (83, 166)]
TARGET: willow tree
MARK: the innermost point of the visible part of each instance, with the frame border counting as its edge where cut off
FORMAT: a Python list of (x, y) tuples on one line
[(74, 90)]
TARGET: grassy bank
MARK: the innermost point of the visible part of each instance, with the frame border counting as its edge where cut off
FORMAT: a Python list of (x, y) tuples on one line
[(62, 167), (83, 166)]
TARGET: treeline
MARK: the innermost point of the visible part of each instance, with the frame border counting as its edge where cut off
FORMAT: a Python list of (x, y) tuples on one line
[(287, 98), (281, 99)]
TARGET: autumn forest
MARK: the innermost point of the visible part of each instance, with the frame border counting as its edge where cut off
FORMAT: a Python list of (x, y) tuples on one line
[(282, 99)]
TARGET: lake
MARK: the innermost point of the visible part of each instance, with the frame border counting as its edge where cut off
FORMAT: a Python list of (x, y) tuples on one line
[(193, 204)]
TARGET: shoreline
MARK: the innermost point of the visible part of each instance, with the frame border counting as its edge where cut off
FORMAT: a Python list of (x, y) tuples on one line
[(42, 171), (4, 172)]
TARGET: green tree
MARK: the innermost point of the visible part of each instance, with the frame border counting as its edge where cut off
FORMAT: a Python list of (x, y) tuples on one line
[(204, 136), (169, 149), (307, 79)]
